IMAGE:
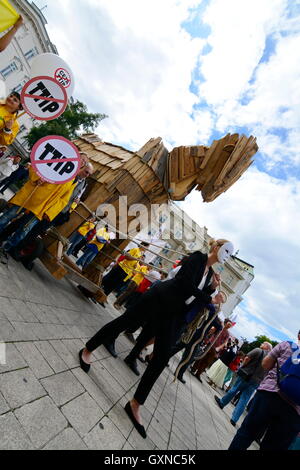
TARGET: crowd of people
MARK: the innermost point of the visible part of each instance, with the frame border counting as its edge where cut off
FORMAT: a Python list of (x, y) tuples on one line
[(174, 311)]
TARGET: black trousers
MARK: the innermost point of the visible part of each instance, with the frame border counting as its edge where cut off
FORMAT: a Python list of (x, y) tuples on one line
[(268, 412), (113, 279), (161, 322)]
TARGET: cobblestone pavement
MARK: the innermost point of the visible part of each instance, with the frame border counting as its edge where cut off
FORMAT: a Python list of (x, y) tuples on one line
[(48, 402)]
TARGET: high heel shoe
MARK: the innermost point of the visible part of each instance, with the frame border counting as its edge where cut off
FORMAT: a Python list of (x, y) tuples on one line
[(84, 366), (140, 429)]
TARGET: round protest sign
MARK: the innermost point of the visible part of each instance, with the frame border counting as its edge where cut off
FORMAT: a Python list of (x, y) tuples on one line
[(62, 76), (55, 159), (44, 98)]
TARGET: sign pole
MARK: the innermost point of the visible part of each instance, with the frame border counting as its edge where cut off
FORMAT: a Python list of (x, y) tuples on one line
[(27, 199)]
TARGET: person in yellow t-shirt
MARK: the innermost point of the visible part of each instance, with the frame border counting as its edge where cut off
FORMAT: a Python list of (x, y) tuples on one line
[(114, 279), (9, 126), (78, 236), (36, 204), (101, 238), (140, 271)]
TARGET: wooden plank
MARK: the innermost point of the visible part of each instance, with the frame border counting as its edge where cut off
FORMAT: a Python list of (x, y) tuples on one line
[(173, 165), (53, 266)]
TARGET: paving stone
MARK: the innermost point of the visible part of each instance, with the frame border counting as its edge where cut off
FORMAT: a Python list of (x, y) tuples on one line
[(64, 353), (105, 436), (120, 419), (83, 413), (6, 330), (156, 438), (68, 439), (20, 387), (12, 436), (34, 359), (62, 387), (23, 331), (8, 311), (74, 346), (41, 420), (41, 331), (92, 388), (3, 405), (44, 313), (24, 311), (106, 382), (51, 356), (14, 359)]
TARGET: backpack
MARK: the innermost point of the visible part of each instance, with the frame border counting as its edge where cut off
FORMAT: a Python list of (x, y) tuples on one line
[(288, 376)]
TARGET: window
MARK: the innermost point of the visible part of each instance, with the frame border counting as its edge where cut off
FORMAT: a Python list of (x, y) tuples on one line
[(22, 128), (12, 67), (31, 53)]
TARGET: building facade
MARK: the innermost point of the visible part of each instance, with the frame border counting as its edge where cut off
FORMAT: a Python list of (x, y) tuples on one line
[(15, 61)]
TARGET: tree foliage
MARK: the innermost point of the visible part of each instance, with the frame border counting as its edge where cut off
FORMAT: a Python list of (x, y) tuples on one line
[(259, 339), (74, 120)]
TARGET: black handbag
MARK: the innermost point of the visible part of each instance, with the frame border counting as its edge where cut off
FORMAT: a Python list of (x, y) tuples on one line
[(244, 375)]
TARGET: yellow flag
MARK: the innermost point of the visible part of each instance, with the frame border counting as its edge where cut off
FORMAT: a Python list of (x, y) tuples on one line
[(8, 15)]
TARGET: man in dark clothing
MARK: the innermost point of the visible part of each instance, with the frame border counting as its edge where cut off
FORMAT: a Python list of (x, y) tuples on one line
[(253, 374), (21, 173)]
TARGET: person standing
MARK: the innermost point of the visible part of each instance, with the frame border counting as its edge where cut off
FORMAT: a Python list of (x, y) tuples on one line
[(137, 278), (115, 278), (80, 234), (272, 409), (249, 377), (164, 307), (101, 238), (9, 126), (21, 173), (8, 166)]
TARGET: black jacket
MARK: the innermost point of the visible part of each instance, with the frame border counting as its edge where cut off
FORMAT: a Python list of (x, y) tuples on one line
[(186, 282)]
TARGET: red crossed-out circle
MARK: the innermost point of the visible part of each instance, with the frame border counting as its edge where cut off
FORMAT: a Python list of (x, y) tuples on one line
[(24, 95), (68, 76), (35, 163)]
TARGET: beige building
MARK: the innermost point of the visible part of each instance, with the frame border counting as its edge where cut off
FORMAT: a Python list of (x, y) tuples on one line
[(15, 61)]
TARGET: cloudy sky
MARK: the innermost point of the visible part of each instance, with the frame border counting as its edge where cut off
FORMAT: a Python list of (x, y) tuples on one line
[(191, 71)]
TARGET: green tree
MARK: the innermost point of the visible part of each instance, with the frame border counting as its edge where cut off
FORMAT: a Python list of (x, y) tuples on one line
[(74, 120), (259, 339)]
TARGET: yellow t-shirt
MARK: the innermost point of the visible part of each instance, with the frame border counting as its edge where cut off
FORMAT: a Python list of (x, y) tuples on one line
[(103, 234), (7, 138), (85, 228), (128, 265), (138, 277)]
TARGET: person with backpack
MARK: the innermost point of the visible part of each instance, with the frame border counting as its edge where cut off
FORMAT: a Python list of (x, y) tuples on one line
[(276, 404), (249, 377)]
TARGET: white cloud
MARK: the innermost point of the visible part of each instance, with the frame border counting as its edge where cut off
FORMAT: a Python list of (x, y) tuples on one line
[(133, 61)]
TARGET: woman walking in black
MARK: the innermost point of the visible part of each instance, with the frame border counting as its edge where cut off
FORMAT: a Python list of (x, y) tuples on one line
[(164, 308)]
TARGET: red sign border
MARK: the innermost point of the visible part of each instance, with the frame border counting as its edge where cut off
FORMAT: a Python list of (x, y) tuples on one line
[(35, 162), (40, 77), (68, 73)]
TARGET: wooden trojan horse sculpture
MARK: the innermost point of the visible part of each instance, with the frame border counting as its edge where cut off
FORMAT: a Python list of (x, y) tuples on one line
[(153, 175)]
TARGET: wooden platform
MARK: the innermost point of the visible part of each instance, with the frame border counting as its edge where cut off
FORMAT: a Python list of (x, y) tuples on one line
[(66, 268)]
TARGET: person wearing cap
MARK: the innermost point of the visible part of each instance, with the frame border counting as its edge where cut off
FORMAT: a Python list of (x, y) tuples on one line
[(9, 126), (164, 307)]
